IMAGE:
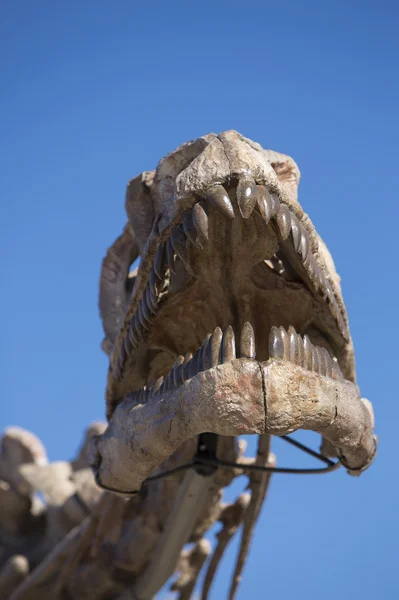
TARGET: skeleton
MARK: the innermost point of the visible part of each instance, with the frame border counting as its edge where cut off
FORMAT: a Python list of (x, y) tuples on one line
[(233, 323)]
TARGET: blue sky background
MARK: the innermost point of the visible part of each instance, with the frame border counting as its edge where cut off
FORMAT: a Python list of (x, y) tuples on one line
[(95, 92)]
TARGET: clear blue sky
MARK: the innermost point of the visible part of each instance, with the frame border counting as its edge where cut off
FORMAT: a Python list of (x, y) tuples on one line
[(95, 92)]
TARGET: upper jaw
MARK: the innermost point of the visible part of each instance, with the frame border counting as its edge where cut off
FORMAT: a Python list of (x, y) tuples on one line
[(200, 208)]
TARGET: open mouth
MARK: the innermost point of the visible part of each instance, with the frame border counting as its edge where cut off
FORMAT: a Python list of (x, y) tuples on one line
[(236, 261)]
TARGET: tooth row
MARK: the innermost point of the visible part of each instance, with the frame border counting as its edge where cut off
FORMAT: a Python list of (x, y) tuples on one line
[(289, 225), (194, 227), (141, 396), (216, 349), (290, 346)]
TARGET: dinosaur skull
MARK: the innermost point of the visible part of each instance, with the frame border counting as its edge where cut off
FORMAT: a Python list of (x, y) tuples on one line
[(225, 247)]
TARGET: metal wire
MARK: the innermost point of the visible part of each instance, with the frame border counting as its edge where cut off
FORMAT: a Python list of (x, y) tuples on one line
[(217, 462)]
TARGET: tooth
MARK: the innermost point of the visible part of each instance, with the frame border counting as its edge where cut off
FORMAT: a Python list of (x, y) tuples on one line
[(296, 233), (336, 371), (193, 364), (246, 196), (145, 308), (307, 353), (293, 343), (190, 229), (286, 343), (284, 221), (159, 262), (169, 381), (229, 345), (218, 196), (170, 255), (133, 333), (151, 300), (200, 219), (157, 385), (178, 240), (178, 371), (127, 343), (247, 342), (276, 344), (141, 318), (304, 248), (328, 362), (301, 351), (315, 360), (275, 203), (265, 203), (215, 346), (322, 361), (186, 366), (309, 264), (202, 361)]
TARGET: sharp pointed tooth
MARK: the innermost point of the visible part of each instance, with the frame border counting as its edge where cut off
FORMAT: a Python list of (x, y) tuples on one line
[(133, 333), (284, 221), (127, 343), (178, 371), (178, 239), (310, 264), (141, 318), (159, 261), (286, 343), (170, 255), (193, 364), (322, 361), (202, 354), (229, 345), (276, 344), (186, 366), (218, 196), (151, 300), (190, 229), (217, 337), (157, 385), (328, 362), (146, 309), (304, 243), (200, 220), (296, 233), (275, 204), (293, 343), (247, 342), (301, 352), (307, 353), (265, 203), (336, 371), (207, 355), (246, 196), (315, 360)]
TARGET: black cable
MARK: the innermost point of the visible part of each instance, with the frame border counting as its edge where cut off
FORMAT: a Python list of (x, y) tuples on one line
[(204, 459)]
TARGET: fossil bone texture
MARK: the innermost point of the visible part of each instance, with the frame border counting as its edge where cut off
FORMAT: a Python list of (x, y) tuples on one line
[(233, 323)]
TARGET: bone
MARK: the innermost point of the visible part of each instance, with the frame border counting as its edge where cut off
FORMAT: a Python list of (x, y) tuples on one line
[(284, 221), (293, 344), (296, 232), (201, 365), (218, 196), (186, 366), (193, 364), (336, 371), (307, 356), (190, 229), (247, 342), (159, 261), (246, 196), (228, 345), (200, 220)]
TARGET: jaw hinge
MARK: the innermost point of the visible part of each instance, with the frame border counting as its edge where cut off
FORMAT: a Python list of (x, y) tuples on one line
[(206, 449)]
